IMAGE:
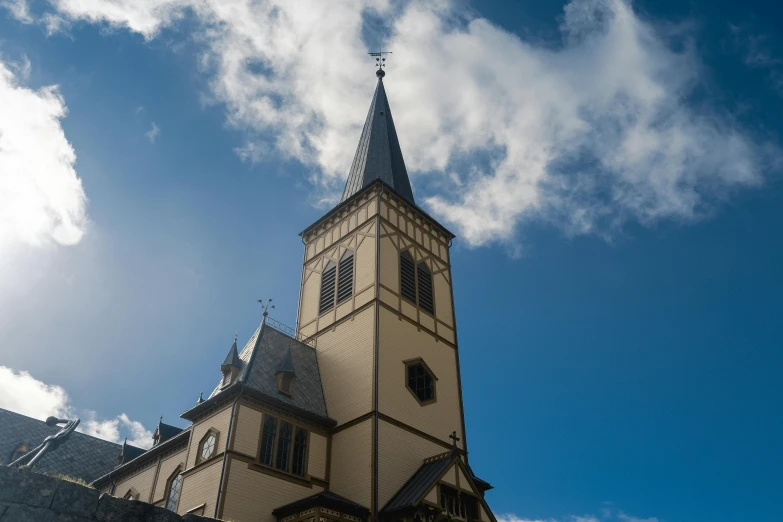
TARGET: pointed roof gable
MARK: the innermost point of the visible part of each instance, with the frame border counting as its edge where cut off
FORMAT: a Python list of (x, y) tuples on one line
[(232, 358), (286, 365), (378, 155)]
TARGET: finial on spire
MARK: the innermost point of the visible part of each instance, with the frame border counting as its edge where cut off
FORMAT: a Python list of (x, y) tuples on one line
[(380, 62), (265, 306), (235, 337), (200, 398)]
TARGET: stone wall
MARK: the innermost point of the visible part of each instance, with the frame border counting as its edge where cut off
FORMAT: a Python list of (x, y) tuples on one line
[(26, 496)]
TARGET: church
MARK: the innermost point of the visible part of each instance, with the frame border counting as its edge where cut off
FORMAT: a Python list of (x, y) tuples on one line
[(355, 415)]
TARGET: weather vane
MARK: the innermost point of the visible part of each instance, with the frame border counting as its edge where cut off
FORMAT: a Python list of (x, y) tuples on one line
[(265, 305), (380, 62)]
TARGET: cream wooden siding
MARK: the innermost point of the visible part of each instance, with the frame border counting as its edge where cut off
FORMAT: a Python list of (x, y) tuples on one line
[(141, 482), (390, 266), (167, 467), (417, 229), (450, 477), (248, 430), (443, 307), (484, 515), (362, 243), (316, 461), (201, 487), (345, 359), (351, 474), (218, 421), (401, 453), (464, 483), (400, 341), (432, 496), (251, 495)]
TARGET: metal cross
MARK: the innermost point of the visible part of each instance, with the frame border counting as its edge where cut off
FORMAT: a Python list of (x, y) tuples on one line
[(454, 438), (380, 61)]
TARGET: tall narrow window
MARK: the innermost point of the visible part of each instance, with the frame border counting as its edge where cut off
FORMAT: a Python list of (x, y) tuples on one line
[(425, 287), (175, 487), (328, 279), (284, 447), (407, 277), (345, 277), (268, 440), (300, 452)]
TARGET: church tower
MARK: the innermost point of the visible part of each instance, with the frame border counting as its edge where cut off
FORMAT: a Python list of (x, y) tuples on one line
[(376, 302)]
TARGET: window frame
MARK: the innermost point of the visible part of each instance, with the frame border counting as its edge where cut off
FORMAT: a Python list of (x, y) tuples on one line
[(199, 456), (169, 483), (132, 494), (418, 360), (295, 428), (282, 379)]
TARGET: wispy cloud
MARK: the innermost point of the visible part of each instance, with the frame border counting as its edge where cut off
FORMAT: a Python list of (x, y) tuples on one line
[(607, 514), (587, 133), (759, 51), (22, 393), (152, 134)]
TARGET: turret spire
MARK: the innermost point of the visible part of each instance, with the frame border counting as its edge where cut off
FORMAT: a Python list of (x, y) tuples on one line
[(379, 155)]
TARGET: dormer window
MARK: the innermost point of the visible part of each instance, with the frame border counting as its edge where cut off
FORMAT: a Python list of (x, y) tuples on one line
[(226, 377), (285, 382), (420, 381)]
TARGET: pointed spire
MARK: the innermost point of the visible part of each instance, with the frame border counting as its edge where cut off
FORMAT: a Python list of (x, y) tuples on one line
[(379, 155), (287, 364), (232, 359)]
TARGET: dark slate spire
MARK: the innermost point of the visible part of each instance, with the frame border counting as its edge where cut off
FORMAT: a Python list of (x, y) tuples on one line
[(378, 155), (232, 359)]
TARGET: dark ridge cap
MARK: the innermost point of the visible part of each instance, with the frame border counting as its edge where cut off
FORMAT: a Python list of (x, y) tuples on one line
[(155, 450)]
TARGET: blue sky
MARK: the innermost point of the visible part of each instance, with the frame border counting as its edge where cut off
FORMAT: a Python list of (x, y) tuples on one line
[(611, 171)]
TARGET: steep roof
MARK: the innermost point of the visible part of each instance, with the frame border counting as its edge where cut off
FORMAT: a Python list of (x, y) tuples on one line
[(378, 155), (232, 358), (420, 482), (81, 456), (164, 432), (264, 353)]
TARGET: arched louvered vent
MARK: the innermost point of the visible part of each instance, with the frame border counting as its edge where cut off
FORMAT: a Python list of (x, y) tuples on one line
[(425, 288), (407, 277), (345, 277), (328, 279)]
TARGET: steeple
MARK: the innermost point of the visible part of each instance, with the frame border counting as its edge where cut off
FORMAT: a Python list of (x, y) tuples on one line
[(378, 155)]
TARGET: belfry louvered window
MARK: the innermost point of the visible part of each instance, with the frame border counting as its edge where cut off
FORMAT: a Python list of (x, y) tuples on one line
[(345, 277), (416, 282), (425, 287), (328, 280), (407, 277)]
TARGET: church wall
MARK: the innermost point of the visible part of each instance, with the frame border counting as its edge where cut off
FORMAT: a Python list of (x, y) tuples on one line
[(167, 467), (247, 431), (200, 488), (316, 459), (251, 495), (218, 421), (351, 463), (401, 341), (362, 242), (400, 454), (141, 482), (345, 359)]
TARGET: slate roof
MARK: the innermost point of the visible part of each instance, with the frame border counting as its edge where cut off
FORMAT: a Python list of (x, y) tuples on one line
[(420, 482), (82, 456), (129, 452), (326, 499), (264, 353), (378, 155), (165, 432)]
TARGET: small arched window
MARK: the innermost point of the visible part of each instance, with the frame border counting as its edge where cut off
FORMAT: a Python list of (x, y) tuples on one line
[(328, 279), (208, 446), (284, 447), (174, 489), (20, 451), (300, 452), (268, 440)]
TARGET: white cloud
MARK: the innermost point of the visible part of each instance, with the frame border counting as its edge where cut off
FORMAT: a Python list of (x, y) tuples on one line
[(606, 515), (42, 200), (22, 393), (586, 133), (152, 133)]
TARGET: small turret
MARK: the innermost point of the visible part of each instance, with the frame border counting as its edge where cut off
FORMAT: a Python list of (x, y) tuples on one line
[(231, 366)]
